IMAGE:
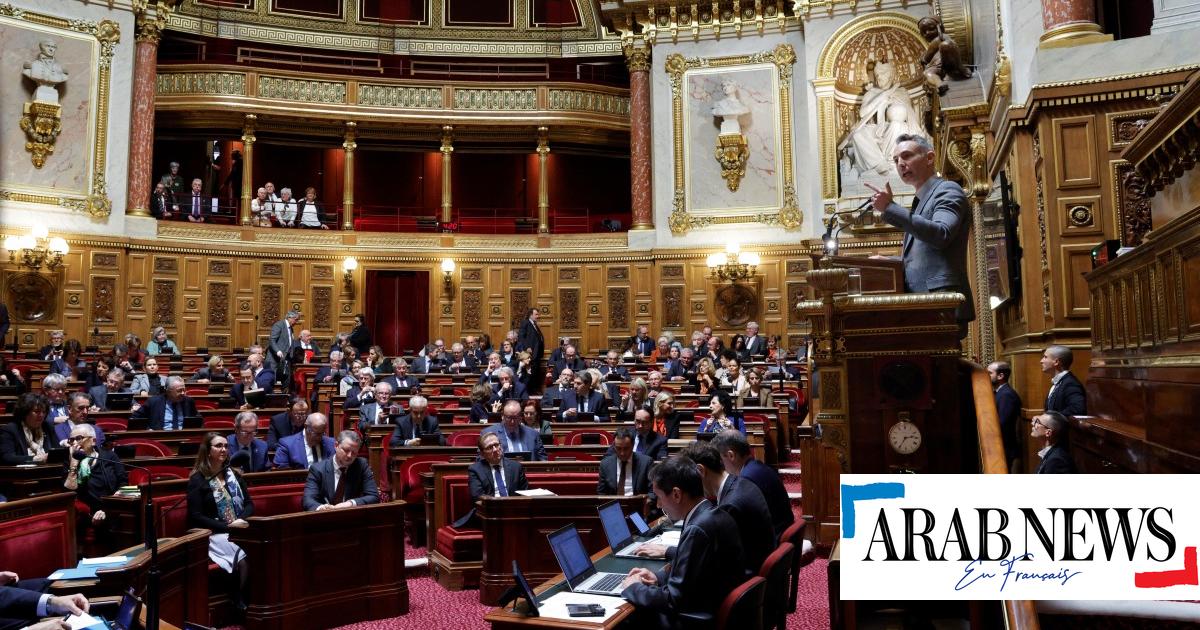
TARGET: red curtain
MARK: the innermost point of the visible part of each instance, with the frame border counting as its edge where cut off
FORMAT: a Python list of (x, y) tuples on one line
[(397, 309)]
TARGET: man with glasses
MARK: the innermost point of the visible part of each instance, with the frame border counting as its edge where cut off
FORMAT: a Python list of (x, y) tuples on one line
[(307, 448), (381, 410), (566, 383), (362, 393), (415, 425), (515, 435), (78, 408), (54, 349), (167, 412), (114, 382), (54, 388), (245, 438), (343, 481), (1052, 427), (90, 480), (288, 422), (507, 387), (244, 385), (491, 475)]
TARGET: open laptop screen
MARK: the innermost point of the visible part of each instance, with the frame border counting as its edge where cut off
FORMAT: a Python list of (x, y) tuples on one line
[(613, 520), (572, 557), (639, 523)]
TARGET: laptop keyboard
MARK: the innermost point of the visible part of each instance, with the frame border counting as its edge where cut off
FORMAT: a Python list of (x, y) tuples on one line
[(608, 582)]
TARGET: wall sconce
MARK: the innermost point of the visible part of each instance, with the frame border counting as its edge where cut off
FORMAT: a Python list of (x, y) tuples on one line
[(448, 275), (36, 249), (348, 267), (734, 264)]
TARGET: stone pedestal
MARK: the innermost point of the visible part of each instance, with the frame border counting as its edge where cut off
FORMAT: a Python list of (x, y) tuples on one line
[(1070, 23), (638, 60)]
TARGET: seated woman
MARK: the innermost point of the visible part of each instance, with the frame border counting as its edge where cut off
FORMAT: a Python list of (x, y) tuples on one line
[(92, 480), (666, 418), (98, 373), (706, 376), (723, 417), (481, 393), (133, 345), (11, 377), (214, 372), (661, 349), (151, 382), (218, 501), (30, 436), (69, 364), (522, 369), (636, 397), (379, 362), (159, 344), (754, 394), (532, 418), (350, 380)]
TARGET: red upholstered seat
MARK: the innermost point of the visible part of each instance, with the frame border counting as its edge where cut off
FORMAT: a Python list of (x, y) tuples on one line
[(795, 536), (776, 570), (205, 404), (197, 390), (145, 447), (277, 499), (158, 473), (219, 421), (48, 529), (459, 545), (110, 423), (302, 375), (576, 437), (755, 417), (410, 472), (743, 606), (462, 392), (465, 438)]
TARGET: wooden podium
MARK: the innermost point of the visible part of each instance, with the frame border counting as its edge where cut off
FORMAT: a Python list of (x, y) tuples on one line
[(887, 392)]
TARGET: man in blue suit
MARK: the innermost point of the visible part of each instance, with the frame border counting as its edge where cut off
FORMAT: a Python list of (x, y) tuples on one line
[(308, 447), (583, 399), (515, 436), (245, 438), (507, 387), (168, 410), (263, 376), (936, 228), (22, 603), (343, 481), (738, 460)]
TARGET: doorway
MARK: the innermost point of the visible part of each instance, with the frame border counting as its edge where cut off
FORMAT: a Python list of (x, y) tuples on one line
[(397, 309)]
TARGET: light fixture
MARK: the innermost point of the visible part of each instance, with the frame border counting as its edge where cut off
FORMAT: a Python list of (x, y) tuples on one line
[(448, 275), (36, 249), (734, 264), (348, 267)]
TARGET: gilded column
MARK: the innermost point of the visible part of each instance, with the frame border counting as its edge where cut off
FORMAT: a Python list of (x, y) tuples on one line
[(141, 121), (348, 146), (543, 151), (447, 149), (248, 140), (637, 58), (1069, 23)]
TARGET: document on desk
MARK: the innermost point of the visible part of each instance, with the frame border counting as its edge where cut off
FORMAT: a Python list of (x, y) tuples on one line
[(536, 492), (670, 538), (86, 621), (555, 606)]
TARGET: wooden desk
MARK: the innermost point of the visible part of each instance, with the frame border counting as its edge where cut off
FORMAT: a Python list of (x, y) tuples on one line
[(45, 524), (315, 570), (24, 481)]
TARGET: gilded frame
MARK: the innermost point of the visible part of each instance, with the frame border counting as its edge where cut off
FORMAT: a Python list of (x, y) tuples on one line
[(107, 33), (789, 215)]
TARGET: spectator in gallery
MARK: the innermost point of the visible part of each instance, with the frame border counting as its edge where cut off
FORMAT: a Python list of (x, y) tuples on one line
[(287, 209), (159, 344), (173, 183), (233, 182), (309, 214), (162, 204), (273, 201), (261, 209), (197, 202)]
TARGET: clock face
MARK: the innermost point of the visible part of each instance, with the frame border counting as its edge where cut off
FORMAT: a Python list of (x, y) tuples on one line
[(904, 438)]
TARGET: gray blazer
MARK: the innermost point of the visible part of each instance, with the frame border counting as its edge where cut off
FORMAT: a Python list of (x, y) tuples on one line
[(141, 383), (935, 242), (280, 342)]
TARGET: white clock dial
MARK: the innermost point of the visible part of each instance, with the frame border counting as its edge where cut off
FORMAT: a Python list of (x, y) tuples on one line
[(904, 438)]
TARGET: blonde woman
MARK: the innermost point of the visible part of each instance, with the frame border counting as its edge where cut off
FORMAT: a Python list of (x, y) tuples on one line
[(636, 397)]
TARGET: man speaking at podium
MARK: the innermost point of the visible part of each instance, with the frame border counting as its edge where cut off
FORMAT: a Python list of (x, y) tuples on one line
[(936, 227)]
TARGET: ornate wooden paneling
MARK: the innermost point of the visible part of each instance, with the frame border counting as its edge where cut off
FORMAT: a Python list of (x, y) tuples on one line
[(219, 267), (272, 270), (672, 272), (672, 298), (164, 302), (616, 274), (1075, 155), (568, 309), (104, 295), (520, 274), (322, 272), (270, 305), (568, 273), (322, 308), (472, 306), (520, 301), (218, 304), (104, 260), (618, 308)]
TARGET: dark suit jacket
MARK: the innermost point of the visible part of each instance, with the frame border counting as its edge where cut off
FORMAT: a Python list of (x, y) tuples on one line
[(1008, 408), (266, 379), (408, 383), (13, 447), (755, 347), (360, 339), (614, 374), (454, 368), (516, 392), (773, 492), (258, 453), (279, 428), (653, 445), (530, 338), (672, 422), (481, 484), (202, 508), (63, 431), (99, 395), (324, 371), (19, 604), (160, 204), (708, 564), (404, 430), (607, 484), (281, 341), (359, 485), (203, 373), (105, 479), (935, 242), (677, 369), (530, 441), (290, 452), (1068, 398), (558, 365), (5, 323), (48, 351), (1056, 461), (553, 396), (155, 408), (596, 403), (643, 347), (746, 504)]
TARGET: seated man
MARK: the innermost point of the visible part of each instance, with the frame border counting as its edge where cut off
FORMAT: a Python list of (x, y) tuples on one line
[(286, 423), (460, 361), (362, 393), (309, 447), (264, 376), (332, 372), (515, 435), (343, 481), (569, 359), (491, 475), (738, 460), (245, 438), (23, 602), (583, 399), (490, 373), (244, 385), (380, 409), (683, 369), (612, 370), (416, 423), (78, 407), (553, 396), (645, 440), (624, 472), (114, 382), (401, 381), (507, 387), (708, 564)]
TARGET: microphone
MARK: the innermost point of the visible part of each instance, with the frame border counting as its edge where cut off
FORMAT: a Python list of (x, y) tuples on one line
[(240, 460)]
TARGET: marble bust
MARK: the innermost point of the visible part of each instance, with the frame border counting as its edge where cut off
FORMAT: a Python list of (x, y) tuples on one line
[(886, 112), (730, 108), (46, 72)]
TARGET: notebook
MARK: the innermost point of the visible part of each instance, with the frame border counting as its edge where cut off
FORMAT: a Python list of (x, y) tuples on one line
[(577, 566)]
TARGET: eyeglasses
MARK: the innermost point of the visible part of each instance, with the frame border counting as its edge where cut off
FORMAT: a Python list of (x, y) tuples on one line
[(77, 438), (222, 445), (1038, 422)]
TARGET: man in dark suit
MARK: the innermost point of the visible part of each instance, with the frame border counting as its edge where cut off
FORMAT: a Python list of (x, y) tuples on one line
[(530, 338), (645, 440), (568, 360), (288, 422), (1008, 408), (305, 349), (1053, 428), (756, 344), (516, 436), (936, 229), (416, 423), (281, 343), (343, 481), (708, 563), (381, 409), (492, 475), (401, 381), (308, 447), (245, 438), (1066, 395), (332, 372), (360, 336), (507, 387), (264, 377), (168, 410), (565, 383), (114, 382), (612, 369), (244, 384), (460, 361), (79, 405), (363, 393), (54, 349), (624, 472), (491, 370), (583, 399), (643, 344), (4, 324), (683, 369), (162, 205), (738, 460), (23, 603)]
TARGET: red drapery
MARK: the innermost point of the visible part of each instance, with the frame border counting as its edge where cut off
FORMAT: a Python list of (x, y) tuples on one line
[(397, 309)]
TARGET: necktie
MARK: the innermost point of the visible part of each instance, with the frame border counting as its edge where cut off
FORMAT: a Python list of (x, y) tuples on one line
[(339, 493), (176, 416), (916, 202), (316, 455), (621, 477), (195, 204), (501, 489)]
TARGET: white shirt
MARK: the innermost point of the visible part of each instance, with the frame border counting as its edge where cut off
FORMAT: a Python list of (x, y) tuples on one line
[(721, 488), (308, 216), (1055, 381), (308, 452), (261, 209), (287, 212)]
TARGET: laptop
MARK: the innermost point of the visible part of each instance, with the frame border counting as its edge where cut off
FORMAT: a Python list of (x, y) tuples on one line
[(126, 618), (622, 542), (119, 401), (577, 567), (193, 422)]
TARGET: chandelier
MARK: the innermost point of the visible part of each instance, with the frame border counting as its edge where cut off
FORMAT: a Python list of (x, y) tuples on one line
[(733, 264), (36, 249)]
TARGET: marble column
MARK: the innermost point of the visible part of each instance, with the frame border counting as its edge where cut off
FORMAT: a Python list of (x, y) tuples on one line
[(1069, 23), (348, 146), (141, 120), (543, 151), (447, 149), (637, 58), (248, 140)]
